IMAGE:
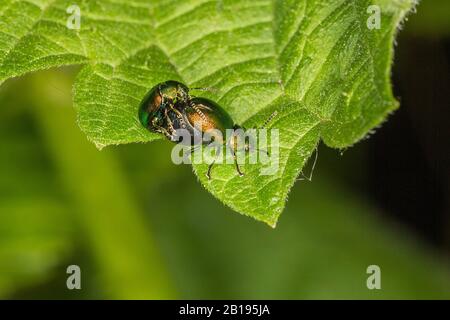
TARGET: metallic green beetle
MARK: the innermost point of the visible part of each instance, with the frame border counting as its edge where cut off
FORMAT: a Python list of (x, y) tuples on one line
[(169, 107), (157, 110)]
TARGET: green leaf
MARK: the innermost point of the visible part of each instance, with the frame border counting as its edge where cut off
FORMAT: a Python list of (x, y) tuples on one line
[(315, 62)]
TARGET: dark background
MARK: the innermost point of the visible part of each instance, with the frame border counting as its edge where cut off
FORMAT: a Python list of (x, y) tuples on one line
[(409, 157)]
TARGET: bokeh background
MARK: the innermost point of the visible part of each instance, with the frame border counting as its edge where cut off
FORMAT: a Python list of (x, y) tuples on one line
[(141, 227)]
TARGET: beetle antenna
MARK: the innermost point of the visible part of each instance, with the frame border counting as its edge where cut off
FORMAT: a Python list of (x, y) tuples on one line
[(316, 151), (199, 112), (205, 89), (269, 119), (247, 148), (263, 150), (195, 148)]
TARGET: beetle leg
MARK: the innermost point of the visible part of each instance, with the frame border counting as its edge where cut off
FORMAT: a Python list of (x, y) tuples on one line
[(178, 114), (169, 122), (162, 130), (172, 108), (165, 132), (237, 164), (208, 174)]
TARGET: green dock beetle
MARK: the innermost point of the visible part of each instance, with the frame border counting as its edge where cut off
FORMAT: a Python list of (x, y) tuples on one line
[(157, 109), (168, 107)]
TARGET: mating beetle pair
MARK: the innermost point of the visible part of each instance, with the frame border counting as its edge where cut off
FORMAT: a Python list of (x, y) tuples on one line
[(169, 107)]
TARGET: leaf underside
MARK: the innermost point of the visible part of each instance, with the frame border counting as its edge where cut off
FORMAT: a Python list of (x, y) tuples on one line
[(314, 62)]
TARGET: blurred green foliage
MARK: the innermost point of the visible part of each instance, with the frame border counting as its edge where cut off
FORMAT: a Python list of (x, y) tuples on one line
[(141, 227)]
